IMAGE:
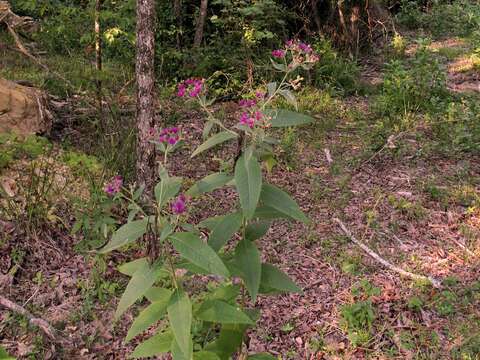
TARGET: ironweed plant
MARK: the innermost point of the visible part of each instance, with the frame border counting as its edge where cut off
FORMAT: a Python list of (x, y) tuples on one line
[(211, 325)]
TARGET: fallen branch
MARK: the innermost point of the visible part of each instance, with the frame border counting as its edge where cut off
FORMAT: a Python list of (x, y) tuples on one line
[(42, 324), (435, 283)]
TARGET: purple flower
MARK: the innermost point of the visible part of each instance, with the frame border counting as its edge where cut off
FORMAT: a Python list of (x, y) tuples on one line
[(278, 53), (178, 206), (260, 95), (114, 186), (169, 135), (307, 49), (246, 119), (193, 86), (181, 90), (247, 103)]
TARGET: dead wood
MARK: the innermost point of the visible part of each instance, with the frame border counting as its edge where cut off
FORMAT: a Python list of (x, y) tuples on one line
[(435, 283)]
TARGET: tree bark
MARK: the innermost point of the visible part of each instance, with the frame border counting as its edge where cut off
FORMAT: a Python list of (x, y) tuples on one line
[(144, 72), (200, 23), (98, 61), (177, 12)]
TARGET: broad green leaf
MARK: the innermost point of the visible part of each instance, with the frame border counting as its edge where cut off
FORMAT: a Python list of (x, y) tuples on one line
[(257, 229), (273, 197), (220, 312), (178, 354), (268, 213), (159, 343), (141, 281), (225, 293), (209, 183), (248, 180), (180, 318), (262, 356), (192, 248), (150, 315), (224, 230), (247, 259), (211, 222), (271, 87), (279, 67), (214, 140), (286, 118), (273, 278), (288, 95), (229, 340), (126, 234), (131, 267), (205, 355), (166, 189), (156, 293)]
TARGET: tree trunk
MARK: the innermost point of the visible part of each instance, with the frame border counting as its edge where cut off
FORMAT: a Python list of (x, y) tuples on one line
[(177, 12), (98, 61), (200, 23), (144, 72)]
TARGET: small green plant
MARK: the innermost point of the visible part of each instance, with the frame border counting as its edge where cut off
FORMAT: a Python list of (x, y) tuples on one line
[(415, 303), (445, 303), (211, 324), (357, 320)]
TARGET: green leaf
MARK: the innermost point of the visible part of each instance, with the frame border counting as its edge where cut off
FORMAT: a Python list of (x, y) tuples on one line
[(262, 356), (271, 87), (220, 312), (150, 315), (156, 293), (211, 222), (178, 354), (192, 248), (247, 259), (214, 140), (279, 67), (224, 230), (273, 197), (141, 281), (257, 229), (286, 118), (268, 213), (166, 189), (180, 318), (126, 234), (288, 95), (159, 343), (248, 180), (209, 183), (274, 279), (229, 340), (205, 355), (131, 267)]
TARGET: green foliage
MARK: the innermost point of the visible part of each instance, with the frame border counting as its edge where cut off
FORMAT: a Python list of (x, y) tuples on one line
[(14, 147), (357, 319)]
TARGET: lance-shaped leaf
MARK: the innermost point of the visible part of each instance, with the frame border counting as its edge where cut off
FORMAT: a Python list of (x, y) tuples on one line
[(209, 183), (257, 229), (150, 315), (279, 200), (180, 318), (248, 180), (192, 248), (224, 230), (131, 267), (141, 281), (205, 355), (166, 189), (286, 118), (214, 140), (288, 95), (229, 340), (159, 343), (126, 234), (223, 313), (247, 260), (275, 280)]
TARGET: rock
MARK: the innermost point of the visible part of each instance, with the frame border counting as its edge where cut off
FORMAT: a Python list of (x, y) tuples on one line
[(23, 109)]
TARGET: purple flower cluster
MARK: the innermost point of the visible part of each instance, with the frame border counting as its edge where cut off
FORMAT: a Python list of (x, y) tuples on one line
[(169, 135), (250, 119), (114, 185), (247, 103), (191, 87), (278, 53), (178, 205)]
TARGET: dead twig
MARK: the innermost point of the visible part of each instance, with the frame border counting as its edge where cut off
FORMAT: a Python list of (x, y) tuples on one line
[(435, 283), (42, 324)]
